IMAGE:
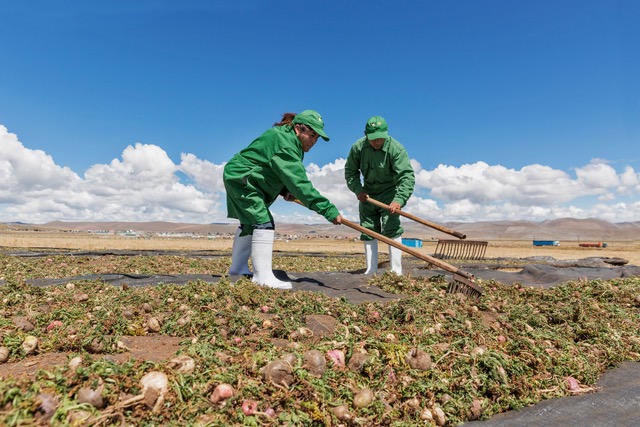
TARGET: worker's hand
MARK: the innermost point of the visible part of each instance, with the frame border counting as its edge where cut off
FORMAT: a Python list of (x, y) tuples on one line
[(288, 196), (337, 220), (363, 196), (394, 207)]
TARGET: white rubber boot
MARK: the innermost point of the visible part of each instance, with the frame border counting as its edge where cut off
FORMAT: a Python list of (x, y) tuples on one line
[(261, 255), (240, 254), (395, 256), (371, 253)]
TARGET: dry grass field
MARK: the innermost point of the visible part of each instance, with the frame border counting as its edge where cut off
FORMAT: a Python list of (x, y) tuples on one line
[(629, 250)]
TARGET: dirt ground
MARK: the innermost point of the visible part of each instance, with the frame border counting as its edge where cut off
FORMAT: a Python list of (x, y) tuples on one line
[(153, 347)]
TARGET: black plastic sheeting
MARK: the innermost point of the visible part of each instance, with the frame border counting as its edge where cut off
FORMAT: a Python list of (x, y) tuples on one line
[(615, 404), (542, 272), (353, 286), (546, 276)]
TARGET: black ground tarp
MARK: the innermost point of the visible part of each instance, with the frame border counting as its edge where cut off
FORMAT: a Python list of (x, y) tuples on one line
[(615, 404)]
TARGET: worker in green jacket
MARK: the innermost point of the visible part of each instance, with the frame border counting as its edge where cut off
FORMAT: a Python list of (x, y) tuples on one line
[(270, 166), (388, 177)]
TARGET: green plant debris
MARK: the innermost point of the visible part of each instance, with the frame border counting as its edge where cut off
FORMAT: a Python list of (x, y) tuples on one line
[(513, 347)]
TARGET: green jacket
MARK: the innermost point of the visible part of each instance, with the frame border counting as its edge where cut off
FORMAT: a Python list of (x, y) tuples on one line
[(270, 165), (386, 171)]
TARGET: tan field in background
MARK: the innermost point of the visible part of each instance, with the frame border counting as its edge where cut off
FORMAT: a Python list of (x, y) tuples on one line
[(629, 250)]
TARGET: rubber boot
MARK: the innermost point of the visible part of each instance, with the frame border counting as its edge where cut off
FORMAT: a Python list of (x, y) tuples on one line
[(240, 254), (371, 253), (261, 255), (395, 257)]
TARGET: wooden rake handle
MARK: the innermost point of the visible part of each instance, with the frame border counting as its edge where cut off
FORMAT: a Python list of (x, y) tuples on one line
[(420, 220), (438, 263)]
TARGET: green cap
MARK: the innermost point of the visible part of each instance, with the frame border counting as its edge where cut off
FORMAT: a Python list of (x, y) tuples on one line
[(313, 119), (376, 128)]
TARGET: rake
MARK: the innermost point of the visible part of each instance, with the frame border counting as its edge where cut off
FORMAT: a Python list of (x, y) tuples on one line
[(418, 219), (446, 249), (462, 281), (457, 249)]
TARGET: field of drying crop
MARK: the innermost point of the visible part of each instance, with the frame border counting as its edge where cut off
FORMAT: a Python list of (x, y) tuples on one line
[(88, 353)]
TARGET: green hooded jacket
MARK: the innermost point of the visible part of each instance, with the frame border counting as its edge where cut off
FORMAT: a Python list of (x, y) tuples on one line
[(270, 165), (388, 175)]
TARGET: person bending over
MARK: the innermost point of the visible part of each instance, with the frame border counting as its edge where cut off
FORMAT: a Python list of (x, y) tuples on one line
[(270, 166)]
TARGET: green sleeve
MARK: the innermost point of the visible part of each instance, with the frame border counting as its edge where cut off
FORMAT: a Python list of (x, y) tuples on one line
[(352, 170), (292, 173), (405, 177)]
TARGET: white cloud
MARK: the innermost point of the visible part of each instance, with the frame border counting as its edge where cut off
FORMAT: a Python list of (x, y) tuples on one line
[(144, 184), (329, 180), (141, 166), (206, 175), (629, 182), (482, 183), (533, 185), (24, 171), (598, 176)]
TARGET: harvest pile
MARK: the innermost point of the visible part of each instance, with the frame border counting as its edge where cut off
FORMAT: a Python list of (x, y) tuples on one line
[(255, 356)]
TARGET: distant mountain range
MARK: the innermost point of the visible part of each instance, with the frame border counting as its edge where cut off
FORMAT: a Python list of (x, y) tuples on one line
[(557, 229)]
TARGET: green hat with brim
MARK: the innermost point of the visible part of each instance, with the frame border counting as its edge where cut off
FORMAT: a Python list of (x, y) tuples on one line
[(313, 119), (376, 128)]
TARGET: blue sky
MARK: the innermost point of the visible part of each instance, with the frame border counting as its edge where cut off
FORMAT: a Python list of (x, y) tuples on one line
[(127, 110)]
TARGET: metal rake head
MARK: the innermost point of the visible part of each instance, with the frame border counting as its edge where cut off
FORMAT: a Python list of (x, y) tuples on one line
[(460, 249), (464, 286)]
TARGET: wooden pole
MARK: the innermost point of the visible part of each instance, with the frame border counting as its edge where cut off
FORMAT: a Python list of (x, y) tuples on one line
[(420, 220)]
